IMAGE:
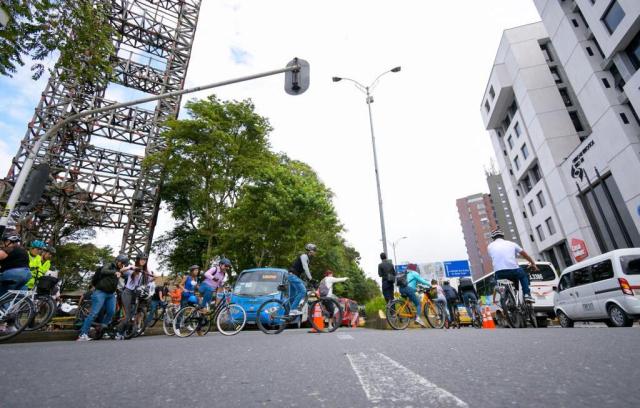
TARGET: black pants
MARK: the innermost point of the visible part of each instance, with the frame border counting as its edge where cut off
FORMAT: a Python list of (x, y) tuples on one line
[(387, 290)]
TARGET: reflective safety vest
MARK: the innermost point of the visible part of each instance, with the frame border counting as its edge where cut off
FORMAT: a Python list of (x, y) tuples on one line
[(35, 264)]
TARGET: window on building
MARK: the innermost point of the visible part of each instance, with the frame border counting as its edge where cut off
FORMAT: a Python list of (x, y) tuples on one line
[(633, 51), (525, 151), (516, 162), (541, 199), (575, 22), (565, 97), (517, 192), (526, 184), (513, 108), (486, 106), (540, 232), (516, 129), (535, 174), (492, 93), (510, 142), (605, 82), (532, 208), (531, 238), (613, 16), (555, 74), (575, 119), (524, 214), (550, 226), (590, 51), (609, 217), (624, 118), (545, 51)]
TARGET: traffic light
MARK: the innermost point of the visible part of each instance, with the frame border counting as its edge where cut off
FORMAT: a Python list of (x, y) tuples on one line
[(34, 187), (297, 81)]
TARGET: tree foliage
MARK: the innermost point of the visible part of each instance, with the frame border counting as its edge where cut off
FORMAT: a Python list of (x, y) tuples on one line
[(232, 196), (77, 261), (79, 29)]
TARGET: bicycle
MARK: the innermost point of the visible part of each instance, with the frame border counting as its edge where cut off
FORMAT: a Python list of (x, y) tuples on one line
[(400, 312), (230, 318), (165, 312), (45, 307), (137, 321), (273, 315), (455, 316), (16, 313), (476, 318), (517, 313)]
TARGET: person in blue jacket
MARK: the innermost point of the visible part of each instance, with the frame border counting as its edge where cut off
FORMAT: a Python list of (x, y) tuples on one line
[(413, 278)]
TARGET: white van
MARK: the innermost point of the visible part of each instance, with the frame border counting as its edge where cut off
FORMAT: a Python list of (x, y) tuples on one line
[(603, 288)]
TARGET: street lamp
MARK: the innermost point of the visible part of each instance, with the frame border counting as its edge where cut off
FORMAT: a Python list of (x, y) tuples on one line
[(367, 91), (394, 244)]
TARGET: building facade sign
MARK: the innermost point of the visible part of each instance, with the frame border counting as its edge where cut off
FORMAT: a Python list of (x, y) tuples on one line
[(579, 249), (577, 171)]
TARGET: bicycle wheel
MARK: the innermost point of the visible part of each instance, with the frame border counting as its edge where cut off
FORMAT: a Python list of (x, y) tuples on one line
[(399, 314), (187, 321), (435, 315), (477, 318), (510, 310), (231, 319), (330, 313), (140, 321), (272, 316), (44, 307), (16, 313), (167, 321), (157, 316), (530, 316)]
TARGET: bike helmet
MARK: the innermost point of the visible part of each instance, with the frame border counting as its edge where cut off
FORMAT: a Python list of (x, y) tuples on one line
[(122, 258), (497, 233), (192, 267), (192, 299), (311, 247), (225, 261), (11, 238), (37, 244), (141, 255)]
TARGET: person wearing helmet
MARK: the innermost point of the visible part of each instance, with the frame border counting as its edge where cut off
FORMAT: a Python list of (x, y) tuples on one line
[(135, 276), (297, 288), (503, 255), (14, 264), (188, 285), (41, 266), (213, 280), (105, 283), (35, 260)]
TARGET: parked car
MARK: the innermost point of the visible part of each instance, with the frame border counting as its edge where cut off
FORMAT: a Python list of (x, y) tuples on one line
[(349, 311), (603, 288), (255, 286)]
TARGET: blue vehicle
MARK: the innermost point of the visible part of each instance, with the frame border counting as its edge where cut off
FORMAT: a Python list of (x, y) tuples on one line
[(255, 286)]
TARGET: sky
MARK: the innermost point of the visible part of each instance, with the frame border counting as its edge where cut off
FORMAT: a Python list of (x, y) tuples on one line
[(431, 143)]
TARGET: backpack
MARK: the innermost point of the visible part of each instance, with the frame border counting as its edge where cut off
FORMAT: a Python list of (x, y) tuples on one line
[(323, 289), (401, 279)]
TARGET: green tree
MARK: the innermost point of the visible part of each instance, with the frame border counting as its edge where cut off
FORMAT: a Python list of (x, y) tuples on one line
[(207, 161), (79, 29), (77, 261)]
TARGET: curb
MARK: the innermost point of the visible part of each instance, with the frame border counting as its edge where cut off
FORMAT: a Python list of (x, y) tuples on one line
[(63, 335)]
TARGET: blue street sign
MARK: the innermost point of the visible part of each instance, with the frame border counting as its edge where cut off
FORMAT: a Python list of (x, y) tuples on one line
[(457, 269)]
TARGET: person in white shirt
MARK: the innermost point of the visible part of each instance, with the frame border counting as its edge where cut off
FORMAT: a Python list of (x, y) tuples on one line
[(503, 255), (329, 280)]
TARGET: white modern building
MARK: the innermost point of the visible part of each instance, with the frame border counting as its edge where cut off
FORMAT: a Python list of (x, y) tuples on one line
[(560, 107)]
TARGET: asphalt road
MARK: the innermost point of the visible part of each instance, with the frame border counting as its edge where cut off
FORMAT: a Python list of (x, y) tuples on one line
[(582, 367)]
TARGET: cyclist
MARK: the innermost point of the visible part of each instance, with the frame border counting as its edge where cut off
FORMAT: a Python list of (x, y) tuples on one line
[(409, 290), (188, 285), (440, 298), (297, 289), (105, 282), (503, 255), (451, 295), (14, 264), (36, 248), (46, 253), (159, 298), (135, 276), (213, 280), (468, 294)]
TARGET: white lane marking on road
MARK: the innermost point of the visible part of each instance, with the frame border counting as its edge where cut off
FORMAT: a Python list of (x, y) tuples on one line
[(345, 337), (387, 381)]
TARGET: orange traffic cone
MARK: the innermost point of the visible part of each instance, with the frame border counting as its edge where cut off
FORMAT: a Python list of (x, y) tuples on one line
[(317, 319), (487, 319)]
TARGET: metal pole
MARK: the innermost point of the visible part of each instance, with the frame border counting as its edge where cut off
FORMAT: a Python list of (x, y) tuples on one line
[(26, 168), (375, 164)]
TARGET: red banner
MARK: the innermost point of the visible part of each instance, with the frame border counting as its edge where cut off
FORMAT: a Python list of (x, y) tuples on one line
[(579, 249)]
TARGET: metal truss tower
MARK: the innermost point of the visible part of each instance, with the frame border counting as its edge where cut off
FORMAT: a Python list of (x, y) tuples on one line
[(96, 164)]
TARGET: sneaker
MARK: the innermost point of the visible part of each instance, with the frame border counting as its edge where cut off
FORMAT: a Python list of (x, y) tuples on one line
[(84, 337), (106, 336), (295, 312), (119, 336), (529, 299), (420, 322)]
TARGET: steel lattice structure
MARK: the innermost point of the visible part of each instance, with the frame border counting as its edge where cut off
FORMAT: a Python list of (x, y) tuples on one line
[(94, 184)]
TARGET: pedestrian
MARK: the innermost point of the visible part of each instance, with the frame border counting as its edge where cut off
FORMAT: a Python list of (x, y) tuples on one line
[(105, 283), (452, 300), (387, 273)]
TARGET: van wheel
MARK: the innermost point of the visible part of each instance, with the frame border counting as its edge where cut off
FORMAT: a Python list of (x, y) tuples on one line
[(564, 320), (618, 317)]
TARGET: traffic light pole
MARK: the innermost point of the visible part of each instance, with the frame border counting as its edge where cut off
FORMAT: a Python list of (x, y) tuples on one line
[(295, 67)]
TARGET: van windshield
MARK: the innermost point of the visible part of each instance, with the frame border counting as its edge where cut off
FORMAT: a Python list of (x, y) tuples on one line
[(630, 264), (258, 283), (545, 273)]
